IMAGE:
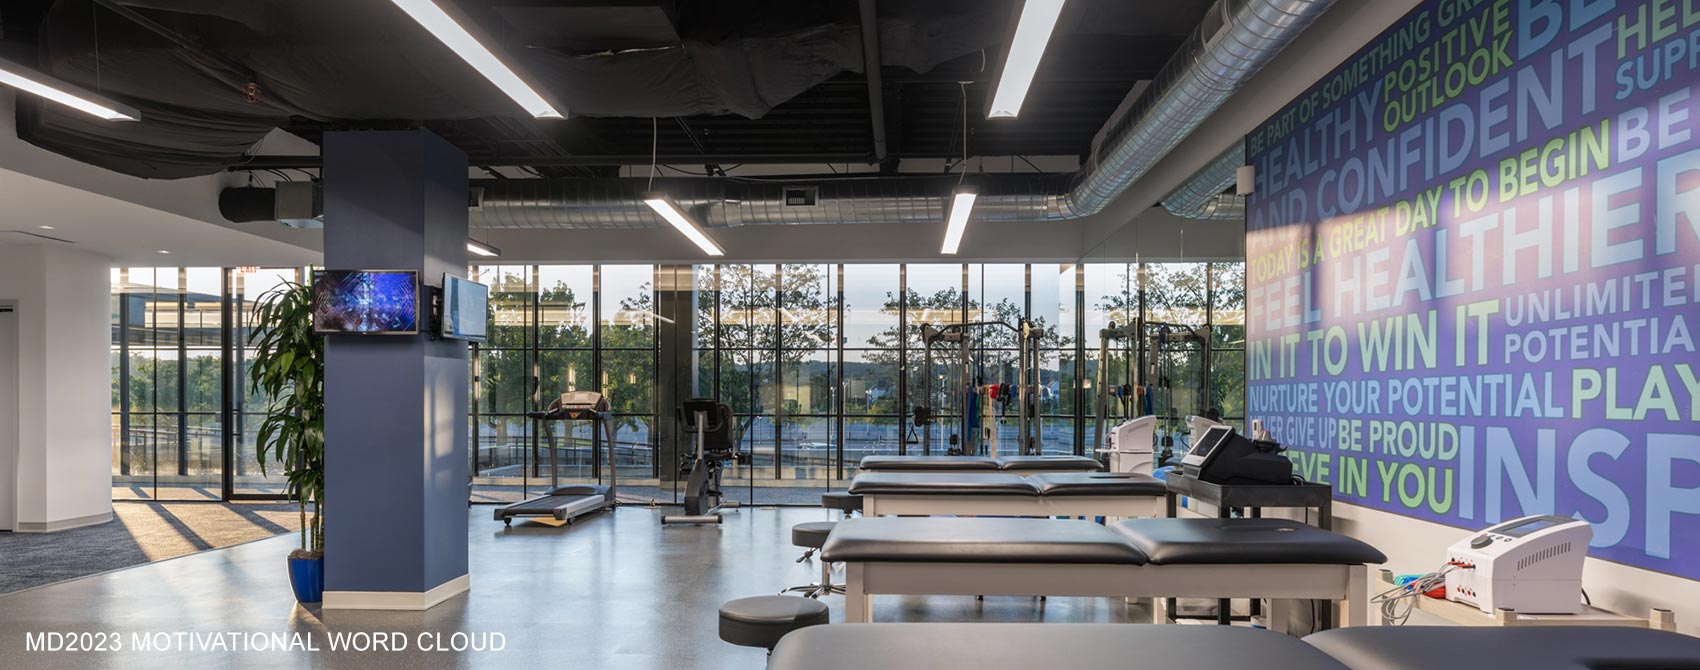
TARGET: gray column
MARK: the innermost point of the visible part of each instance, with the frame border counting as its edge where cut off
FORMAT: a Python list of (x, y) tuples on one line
[(396, 480), (675, 299)]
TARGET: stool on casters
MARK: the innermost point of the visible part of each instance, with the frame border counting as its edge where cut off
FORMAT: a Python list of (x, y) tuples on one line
[(812, 536), (848, 503), (762, 620), (716, 445)]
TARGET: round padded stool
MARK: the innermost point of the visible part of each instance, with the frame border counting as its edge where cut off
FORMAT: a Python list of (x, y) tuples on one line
[(762, 620), (812, 535), (841, 501)]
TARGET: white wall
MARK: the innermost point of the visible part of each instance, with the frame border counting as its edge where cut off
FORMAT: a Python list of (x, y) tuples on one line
[(64, 385), (8, 416), (1418, 546)]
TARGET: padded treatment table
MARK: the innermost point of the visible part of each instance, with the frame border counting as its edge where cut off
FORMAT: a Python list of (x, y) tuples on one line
[(1048, 646), (1009, 494), (1048, 464), (1137, 558), (1503, 648), (1053, 646), (1020, 464), (927, 464)]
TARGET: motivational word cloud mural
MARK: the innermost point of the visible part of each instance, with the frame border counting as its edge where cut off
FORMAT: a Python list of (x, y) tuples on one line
[(1474, 271)]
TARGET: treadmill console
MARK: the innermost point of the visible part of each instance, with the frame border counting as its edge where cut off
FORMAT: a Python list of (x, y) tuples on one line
[(577, 406)]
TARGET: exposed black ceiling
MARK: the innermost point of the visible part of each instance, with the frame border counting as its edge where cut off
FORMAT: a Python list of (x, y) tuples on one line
[(729, 81)]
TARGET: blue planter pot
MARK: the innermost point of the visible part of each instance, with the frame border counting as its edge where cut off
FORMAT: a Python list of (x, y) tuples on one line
[(307, 577)]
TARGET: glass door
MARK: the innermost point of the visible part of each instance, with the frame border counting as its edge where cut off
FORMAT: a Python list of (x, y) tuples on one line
[(167, 354), (245, 479)]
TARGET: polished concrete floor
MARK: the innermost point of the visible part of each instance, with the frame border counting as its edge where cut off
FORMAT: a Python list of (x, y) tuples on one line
[(611, 592)]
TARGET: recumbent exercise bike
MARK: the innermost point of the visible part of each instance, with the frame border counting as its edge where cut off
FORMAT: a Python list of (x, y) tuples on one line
[(716, 445)]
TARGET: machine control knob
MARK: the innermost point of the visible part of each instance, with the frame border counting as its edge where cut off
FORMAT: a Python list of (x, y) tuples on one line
[(1481, 541)]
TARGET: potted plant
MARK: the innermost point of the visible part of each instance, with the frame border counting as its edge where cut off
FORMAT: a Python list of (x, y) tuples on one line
[(288, 367)]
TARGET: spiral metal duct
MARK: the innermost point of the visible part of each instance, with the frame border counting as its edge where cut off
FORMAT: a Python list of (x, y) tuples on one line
[(1236, 39), (726, 201), (1201, 197)]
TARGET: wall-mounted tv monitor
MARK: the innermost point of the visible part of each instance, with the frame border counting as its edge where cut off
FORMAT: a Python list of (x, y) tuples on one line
[(466, 315), (370, 302)]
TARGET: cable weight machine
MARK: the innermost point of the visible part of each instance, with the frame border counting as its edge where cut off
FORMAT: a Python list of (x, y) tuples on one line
[(1150, 349), (963, 383)]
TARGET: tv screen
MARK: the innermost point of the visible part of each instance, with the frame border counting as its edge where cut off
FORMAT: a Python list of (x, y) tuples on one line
[(465, 312), (373, 302)]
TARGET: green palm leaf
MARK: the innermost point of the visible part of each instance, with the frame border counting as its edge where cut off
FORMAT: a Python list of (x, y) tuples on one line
[(288, 367)]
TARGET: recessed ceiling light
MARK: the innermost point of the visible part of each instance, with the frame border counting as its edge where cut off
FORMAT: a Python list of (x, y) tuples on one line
[(164, 251), (45, 227)]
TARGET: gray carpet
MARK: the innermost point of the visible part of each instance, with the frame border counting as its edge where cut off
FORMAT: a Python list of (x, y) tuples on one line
[(141, 532)]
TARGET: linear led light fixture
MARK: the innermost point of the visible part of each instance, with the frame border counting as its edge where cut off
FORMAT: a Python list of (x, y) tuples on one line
[(961, 207), (57, 90), (456, 37), (670, 211), (1032, 33), (482, 249)]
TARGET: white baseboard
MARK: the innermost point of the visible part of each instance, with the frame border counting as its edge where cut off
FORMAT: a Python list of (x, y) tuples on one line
[(397, 600), (63, 524)]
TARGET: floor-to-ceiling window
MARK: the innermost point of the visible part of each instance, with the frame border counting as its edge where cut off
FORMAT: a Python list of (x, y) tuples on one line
[(506, 456), (626, 360), (248, 405), (554, 329), (166, 353), (821, 363), (808, 373), (1227, 340), (872, 363), (934, 295), (1187, 354), (1051, 308), (766, 345), (170, 409), (747, 379)]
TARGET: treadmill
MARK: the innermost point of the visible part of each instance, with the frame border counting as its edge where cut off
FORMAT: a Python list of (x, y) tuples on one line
[(567, 503)]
